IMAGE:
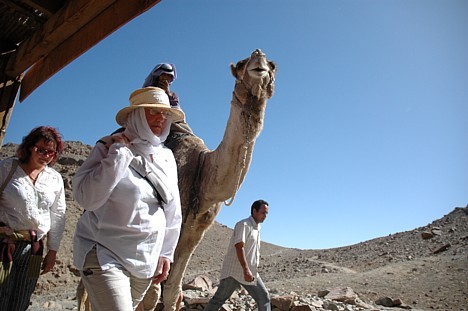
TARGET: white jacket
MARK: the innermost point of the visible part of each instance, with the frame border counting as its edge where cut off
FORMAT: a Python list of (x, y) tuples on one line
[(123, 217)]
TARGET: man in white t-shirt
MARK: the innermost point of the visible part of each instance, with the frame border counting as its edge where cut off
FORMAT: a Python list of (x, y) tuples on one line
[(240, 266)]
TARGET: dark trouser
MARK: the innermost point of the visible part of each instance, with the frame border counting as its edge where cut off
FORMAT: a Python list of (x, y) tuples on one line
[(228, 285), (16, 291)]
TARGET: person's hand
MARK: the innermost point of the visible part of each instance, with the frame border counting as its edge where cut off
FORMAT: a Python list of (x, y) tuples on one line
[(162, 271), (173, 99), (164, 84), (248, 277), (49, 261), (6, 230), (108, 141), (120, 138)]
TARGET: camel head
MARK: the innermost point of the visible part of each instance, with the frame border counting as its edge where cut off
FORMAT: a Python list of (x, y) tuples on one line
[(256, 74)]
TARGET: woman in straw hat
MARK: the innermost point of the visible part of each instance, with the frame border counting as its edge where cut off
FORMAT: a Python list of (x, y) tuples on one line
[(127, 235)]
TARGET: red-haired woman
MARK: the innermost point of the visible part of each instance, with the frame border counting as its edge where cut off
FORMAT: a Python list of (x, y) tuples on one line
[(32, 207)]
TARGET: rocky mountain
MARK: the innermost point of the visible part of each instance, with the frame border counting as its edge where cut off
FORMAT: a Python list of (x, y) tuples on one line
[(424, 269)]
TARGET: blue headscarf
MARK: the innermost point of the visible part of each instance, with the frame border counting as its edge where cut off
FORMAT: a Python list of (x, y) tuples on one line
[(157, 71)]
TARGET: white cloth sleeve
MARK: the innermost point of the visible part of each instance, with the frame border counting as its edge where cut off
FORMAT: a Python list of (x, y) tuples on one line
[(57, 219), (100, 173), (173, 213)]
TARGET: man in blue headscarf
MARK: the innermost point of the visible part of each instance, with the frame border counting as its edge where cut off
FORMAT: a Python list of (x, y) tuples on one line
[(162, 76)]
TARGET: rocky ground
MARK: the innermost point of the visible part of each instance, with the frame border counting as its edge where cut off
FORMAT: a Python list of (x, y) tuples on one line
[(422, 269)]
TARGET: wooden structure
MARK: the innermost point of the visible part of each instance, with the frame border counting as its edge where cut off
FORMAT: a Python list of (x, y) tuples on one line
[(40, 37)]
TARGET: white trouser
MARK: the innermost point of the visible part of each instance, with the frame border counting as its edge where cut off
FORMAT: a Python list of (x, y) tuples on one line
[(113, 289)]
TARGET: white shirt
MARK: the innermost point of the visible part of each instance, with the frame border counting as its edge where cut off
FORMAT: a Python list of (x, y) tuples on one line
[(40, 207), (123, 218), (248, 232)]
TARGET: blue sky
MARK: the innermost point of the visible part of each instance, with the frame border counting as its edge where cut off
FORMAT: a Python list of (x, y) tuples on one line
[(365, 136)]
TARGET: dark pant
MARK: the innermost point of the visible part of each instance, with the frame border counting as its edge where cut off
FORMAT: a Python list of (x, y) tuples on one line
[(228, 285), (18, 287)]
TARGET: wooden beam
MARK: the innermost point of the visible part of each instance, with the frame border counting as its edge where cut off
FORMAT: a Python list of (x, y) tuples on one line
[(8, 94), (115, 16), (56, 30), (49, 8)]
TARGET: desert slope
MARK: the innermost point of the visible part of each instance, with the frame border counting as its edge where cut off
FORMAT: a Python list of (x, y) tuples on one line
[(426, 267)]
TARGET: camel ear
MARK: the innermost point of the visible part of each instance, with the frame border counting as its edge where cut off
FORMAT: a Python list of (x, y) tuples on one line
[(271, 85), (233, 68), (239, 68), (272, 66)]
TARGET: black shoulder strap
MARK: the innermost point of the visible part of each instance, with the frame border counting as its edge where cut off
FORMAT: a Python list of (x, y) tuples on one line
[(138, 165)]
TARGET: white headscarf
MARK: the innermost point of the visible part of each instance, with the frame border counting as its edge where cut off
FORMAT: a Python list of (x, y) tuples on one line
[(142, 139)]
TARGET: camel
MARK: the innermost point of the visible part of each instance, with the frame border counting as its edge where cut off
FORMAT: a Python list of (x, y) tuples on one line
[(208, 178)]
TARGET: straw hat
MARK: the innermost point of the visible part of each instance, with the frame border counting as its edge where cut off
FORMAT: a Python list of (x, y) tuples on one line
[(149, 97)]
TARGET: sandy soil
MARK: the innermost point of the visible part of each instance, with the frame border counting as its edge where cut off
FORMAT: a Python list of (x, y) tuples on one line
[(427, 268)]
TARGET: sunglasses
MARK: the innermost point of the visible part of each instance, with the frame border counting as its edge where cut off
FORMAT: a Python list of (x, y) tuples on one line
[(45, 152), (153, 111)]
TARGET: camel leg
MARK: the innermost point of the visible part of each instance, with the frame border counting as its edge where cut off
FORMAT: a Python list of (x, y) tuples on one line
[(150, 301), (191, 235), (179, 300), (82, 297), (173, 286)]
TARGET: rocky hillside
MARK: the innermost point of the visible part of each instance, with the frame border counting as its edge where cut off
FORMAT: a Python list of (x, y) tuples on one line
[(425, 268)]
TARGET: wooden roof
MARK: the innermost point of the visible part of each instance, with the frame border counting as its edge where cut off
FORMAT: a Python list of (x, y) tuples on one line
[(40, 37)]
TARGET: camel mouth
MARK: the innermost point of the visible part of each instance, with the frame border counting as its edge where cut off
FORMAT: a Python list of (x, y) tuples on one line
[(258, 71)]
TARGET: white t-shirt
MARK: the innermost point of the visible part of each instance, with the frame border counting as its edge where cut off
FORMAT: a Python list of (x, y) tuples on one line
[(248, 232)]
